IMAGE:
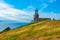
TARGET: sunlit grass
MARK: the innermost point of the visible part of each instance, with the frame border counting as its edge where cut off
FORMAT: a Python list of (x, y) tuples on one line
[(45, 30)]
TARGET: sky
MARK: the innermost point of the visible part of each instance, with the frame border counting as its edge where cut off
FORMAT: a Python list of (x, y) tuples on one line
[(23, 10)]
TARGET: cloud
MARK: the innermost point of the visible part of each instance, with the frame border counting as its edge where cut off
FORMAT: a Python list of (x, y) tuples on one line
[(43, 14), (49, 15), (51, 1), (8, 12), (44, 5), (29, 9), (48, 1)]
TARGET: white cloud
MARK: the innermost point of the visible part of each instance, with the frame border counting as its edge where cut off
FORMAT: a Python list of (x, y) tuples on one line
[(50, 1), (29, 9), (42, 14), (1, 0), (49, 15), (44, 5), (8, 12)]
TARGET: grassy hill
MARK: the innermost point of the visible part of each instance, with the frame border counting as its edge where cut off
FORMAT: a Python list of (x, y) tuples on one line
[(45, 30)]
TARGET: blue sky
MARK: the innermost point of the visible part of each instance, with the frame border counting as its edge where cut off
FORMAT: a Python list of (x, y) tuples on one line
[(23, 10), (53, 5)]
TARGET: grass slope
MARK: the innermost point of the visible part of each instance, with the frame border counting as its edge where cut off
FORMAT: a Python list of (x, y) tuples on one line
[(45, 30)]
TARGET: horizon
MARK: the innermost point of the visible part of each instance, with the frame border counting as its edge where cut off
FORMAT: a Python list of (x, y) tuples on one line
[(22, 11)]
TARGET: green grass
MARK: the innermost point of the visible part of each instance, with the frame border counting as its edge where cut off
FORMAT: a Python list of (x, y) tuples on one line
[(45, 30)]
